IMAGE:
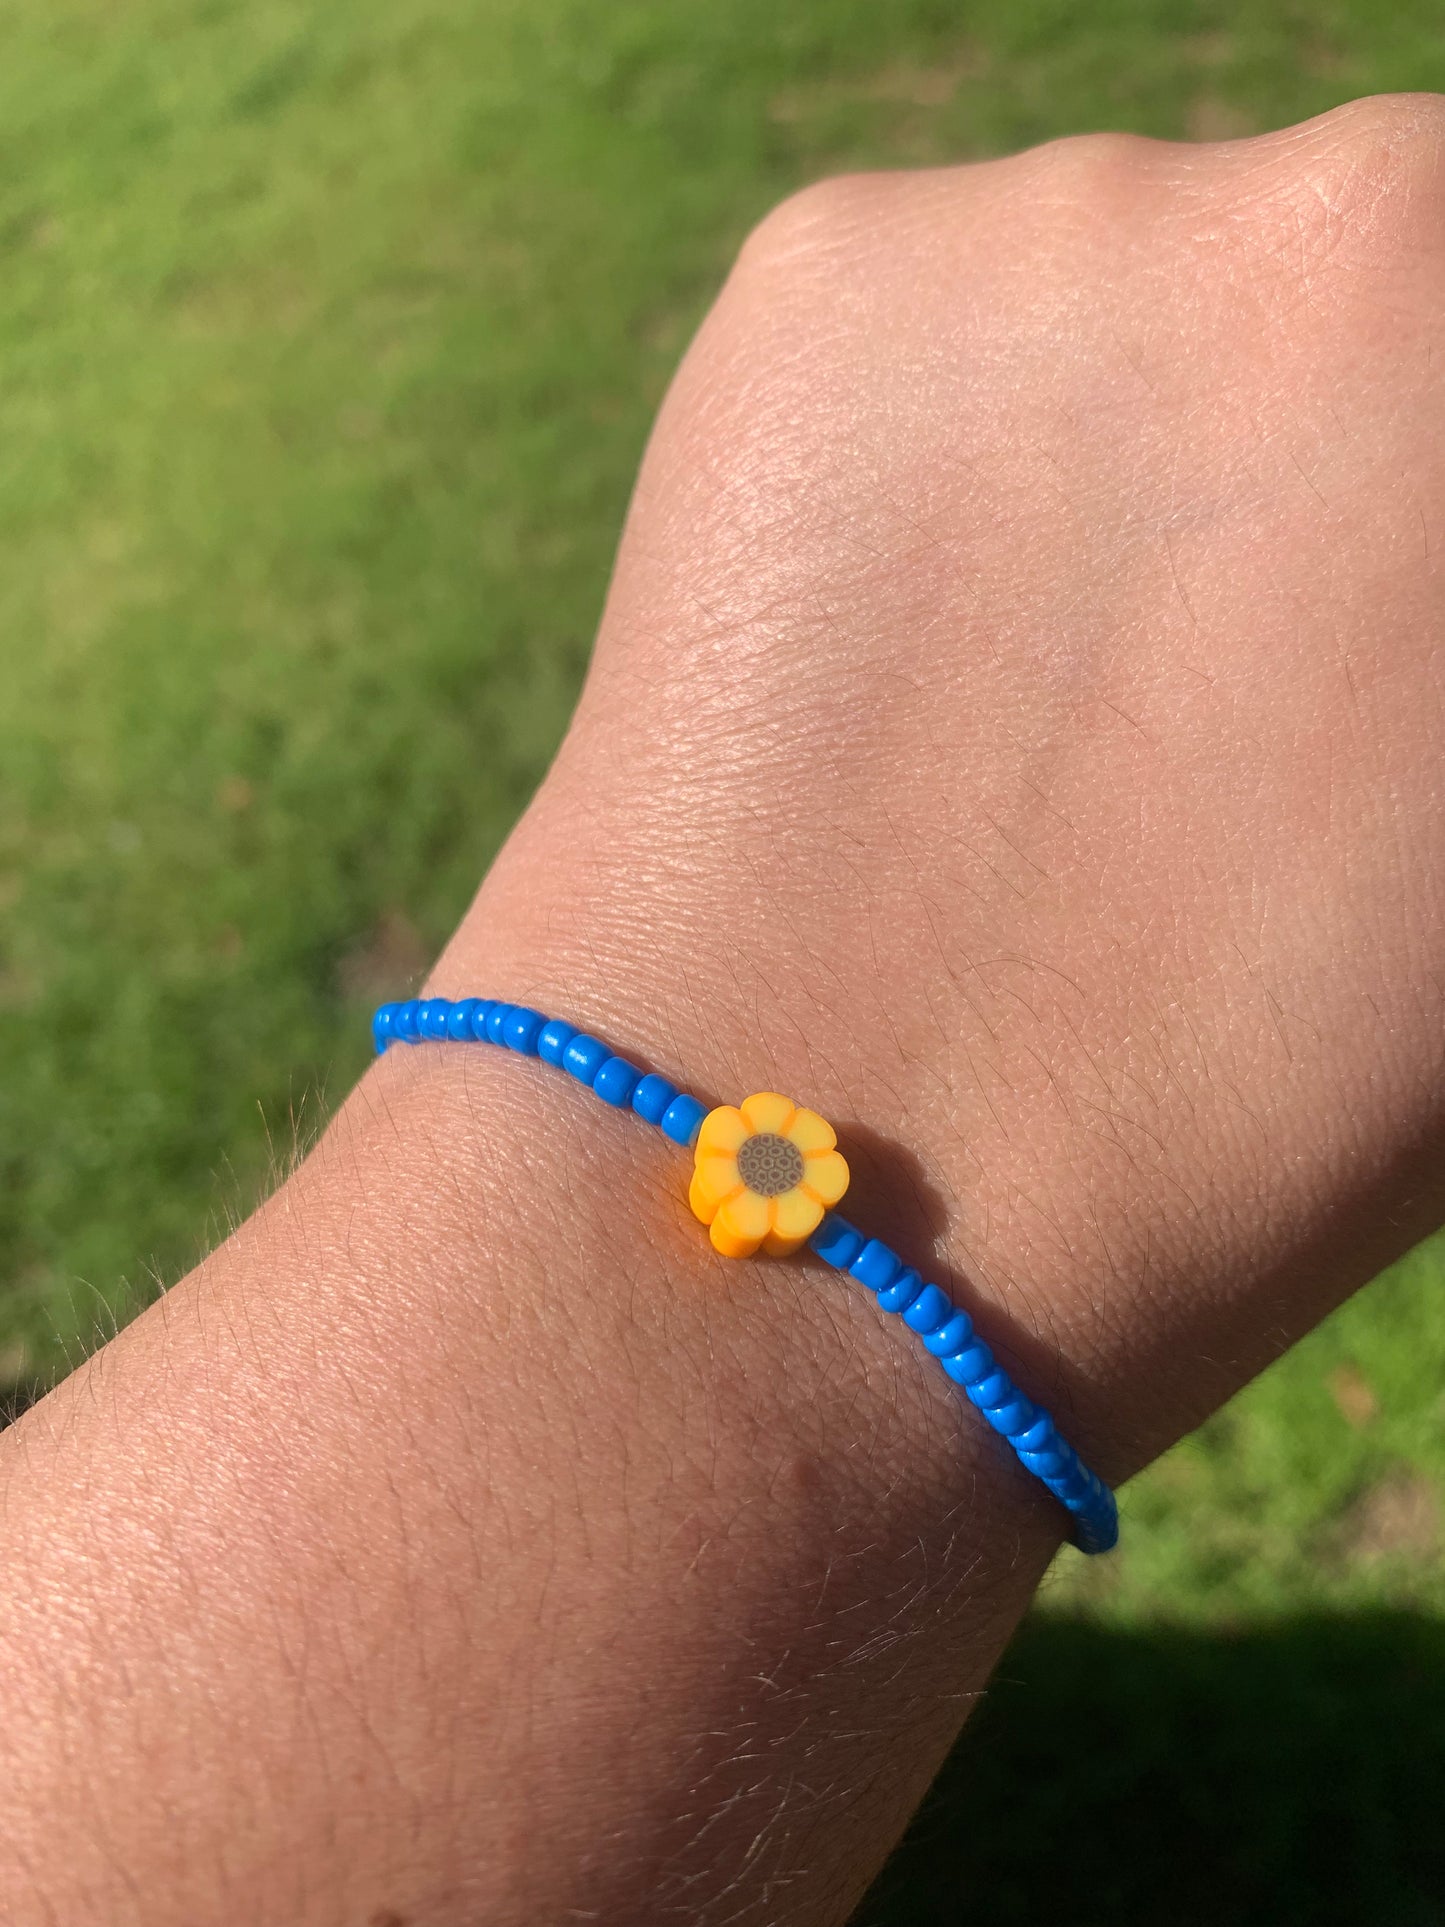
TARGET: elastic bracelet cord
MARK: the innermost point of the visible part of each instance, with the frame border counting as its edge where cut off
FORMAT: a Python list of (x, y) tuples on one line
[(767, 1175)]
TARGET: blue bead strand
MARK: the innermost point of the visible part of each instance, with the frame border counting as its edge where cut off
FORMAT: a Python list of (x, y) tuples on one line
[(946, 1332)]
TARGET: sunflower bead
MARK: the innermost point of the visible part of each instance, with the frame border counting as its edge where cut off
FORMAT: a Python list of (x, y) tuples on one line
[(765, 1171)]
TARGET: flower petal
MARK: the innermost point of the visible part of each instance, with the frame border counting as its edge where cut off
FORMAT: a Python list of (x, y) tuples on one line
[(811, 1132), (741, 1225), (722, 1130), (704, 1204), (717, 1178), (795, 1216), (714, 1181), (825, 1174), (766, 1111)]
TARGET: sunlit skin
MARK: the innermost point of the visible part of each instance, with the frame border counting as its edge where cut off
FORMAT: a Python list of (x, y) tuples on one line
[(1014, 732)]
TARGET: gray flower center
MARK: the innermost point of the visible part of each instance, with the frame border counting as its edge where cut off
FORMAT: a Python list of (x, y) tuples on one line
[(769, 1164)]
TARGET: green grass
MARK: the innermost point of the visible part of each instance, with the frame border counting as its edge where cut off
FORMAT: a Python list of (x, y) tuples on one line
[(329, 337)]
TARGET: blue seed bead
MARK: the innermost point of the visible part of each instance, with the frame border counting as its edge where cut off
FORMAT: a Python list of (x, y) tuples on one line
[(1044, 1465), (459, 1023), (519, 1032), (930, 1309), (381, 1028), (974, 1363), (403, 1021), (1040, 1436), (616, 1081), (876, 1267), (584, 1057), (682, 1120), (1100, 1533), (951, 1336), (496, 1018), (1011, 1419), (837, 1242), (991, 1391), (553, 1039), (1097, 1530), (432, 1017), (481, 1016), (652, 1097), (902, 1292)]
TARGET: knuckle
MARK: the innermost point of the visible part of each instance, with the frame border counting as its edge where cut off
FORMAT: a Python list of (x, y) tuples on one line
[(1085, 189), (831, 215), (1366, 174), (1102, 161), (1402, 124)]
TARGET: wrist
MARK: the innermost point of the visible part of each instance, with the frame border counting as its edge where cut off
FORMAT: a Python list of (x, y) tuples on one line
[(641, 969), (793, 1362), (924, 1391)]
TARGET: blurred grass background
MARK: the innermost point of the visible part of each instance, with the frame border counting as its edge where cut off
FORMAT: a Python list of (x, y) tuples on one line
[(329, 339)]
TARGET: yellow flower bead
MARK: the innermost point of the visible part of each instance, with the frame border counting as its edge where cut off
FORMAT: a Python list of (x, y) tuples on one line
[(765, 1171)]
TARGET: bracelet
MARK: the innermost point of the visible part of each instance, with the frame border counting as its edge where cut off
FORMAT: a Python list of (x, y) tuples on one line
[(766, 1175)]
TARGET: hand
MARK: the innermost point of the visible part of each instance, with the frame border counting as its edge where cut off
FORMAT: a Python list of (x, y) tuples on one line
[(1015, 729)]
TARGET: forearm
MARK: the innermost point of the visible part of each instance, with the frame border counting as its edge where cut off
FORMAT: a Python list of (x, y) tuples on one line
[(465, 1539)]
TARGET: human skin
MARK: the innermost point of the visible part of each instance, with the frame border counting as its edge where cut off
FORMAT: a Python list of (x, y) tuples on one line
[(1013, 731)]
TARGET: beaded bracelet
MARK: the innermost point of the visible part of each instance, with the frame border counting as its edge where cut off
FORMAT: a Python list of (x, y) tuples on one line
[(766, 1175)]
